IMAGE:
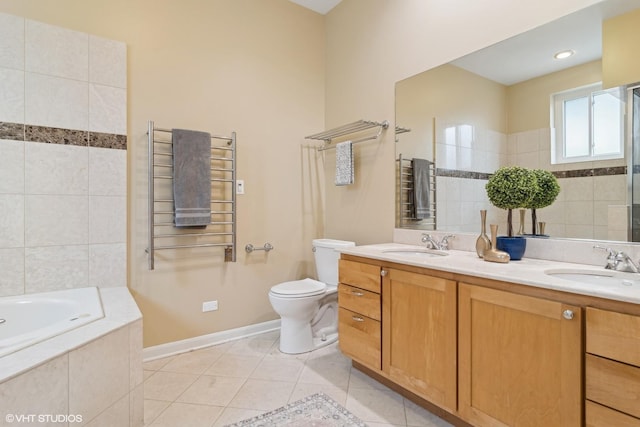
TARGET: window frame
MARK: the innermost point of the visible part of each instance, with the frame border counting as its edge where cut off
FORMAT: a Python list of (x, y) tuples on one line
[(557, 124)]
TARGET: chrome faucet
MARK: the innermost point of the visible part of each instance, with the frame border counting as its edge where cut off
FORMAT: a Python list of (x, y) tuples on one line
[(619, 261), (431, 243)]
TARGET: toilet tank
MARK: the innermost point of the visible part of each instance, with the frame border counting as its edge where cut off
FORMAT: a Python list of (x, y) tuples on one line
[(327, 257)]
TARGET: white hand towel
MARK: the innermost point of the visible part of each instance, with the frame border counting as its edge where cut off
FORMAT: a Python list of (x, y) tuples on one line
[(344, 163)]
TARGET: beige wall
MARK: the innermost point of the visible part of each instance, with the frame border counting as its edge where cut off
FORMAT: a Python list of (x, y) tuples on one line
[(254, 67), (620, 59), (259, 67), (452, 95), (371, 44)]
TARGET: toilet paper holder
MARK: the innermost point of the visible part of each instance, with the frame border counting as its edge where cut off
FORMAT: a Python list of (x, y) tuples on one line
[(266, 247)]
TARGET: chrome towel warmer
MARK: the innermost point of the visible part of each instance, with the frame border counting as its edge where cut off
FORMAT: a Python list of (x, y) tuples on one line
[(358, 126), (221, 231), (405, 216)]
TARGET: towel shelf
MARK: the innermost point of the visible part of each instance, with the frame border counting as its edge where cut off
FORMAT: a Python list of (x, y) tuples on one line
[(358, 126), (221, 231), (405, 207)]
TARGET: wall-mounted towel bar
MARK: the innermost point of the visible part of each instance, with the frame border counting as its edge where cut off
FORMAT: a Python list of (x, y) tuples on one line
[(221, 231), (358, 126), (250, 248)]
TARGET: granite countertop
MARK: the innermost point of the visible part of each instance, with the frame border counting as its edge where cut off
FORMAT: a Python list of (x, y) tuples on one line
[(526, 271)]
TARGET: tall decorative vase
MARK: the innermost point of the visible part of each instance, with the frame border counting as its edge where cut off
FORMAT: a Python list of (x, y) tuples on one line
[(483, 243)]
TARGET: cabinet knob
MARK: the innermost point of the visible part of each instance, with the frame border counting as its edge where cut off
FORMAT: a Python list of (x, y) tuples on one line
[(383, 273), (356, 293), (357, 318), (567, 314)]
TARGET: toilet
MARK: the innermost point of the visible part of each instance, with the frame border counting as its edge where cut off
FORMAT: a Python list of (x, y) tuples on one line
[(308, 308)]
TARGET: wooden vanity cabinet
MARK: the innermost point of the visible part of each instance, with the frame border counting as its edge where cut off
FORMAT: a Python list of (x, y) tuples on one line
[(419, 335), (520, 359), (612, 369), (359, 312)]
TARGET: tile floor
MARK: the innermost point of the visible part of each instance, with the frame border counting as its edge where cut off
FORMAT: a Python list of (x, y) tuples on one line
[(240, 379)]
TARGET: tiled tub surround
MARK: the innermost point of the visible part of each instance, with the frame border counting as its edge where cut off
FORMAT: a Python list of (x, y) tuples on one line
[(94, 371), (591, 204), (63, 158)]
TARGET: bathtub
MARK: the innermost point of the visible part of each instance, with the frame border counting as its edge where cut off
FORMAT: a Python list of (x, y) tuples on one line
[(90, 367), (28, 319)]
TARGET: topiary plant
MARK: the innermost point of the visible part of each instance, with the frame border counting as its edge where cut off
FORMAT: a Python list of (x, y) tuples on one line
[(548, 190), (511, 187)]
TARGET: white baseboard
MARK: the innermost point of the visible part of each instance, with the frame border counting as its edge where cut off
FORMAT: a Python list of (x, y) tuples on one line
[(183, 346)]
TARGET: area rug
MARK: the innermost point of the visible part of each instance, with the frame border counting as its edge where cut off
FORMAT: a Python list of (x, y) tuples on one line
[(317, 410)]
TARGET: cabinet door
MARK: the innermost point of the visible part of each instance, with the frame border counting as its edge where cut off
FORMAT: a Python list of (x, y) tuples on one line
[(419, 335), (520, 360)]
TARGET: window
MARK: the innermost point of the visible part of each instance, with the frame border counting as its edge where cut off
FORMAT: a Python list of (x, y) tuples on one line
[(589, 124)]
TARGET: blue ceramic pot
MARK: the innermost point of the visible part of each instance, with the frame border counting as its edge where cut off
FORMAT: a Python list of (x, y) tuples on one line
[(514, 246)]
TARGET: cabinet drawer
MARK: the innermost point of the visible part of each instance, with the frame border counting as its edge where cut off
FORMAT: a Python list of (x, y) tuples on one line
[(601, 416), (359, 300), (613, 335), (365, 276), (360, 338), (613, 384)]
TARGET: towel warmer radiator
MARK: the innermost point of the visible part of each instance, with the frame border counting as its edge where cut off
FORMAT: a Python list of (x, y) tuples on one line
[(358, 126), (406, 218), (221, 231)]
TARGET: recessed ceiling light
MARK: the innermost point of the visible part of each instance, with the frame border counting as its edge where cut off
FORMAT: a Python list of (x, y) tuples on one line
[(563, 54)]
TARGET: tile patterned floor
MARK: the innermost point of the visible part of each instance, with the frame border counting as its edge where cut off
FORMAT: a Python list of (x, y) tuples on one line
[(237, 380)]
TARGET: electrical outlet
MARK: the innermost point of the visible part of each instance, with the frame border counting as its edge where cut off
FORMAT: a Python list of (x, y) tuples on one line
[(209, 306), (239, 186)]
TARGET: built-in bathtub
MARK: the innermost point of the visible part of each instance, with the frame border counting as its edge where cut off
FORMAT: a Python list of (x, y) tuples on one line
[(28, 319), (90, 373)]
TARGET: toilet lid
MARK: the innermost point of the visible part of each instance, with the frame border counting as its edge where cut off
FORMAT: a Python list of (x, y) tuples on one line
[(299, 288)]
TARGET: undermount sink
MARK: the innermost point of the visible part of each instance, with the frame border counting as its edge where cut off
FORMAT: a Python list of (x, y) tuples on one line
[(593, 277), (416, 253)]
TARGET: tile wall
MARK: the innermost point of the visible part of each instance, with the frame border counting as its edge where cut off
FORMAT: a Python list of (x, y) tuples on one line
[(465, 156), (591, 203), (590, 192), (63, 156)]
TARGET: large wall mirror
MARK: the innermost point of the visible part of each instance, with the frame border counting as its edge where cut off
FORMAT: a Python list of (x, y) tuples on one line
[(461, 121)]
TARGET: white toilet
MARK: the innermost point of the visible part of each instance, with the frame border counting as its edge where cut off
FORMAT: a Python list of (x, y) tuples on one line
[(309, 308)]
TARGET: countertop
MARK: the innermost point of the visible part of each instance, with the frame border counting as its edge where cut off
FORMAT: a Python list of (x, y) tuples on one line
[(525, 271)]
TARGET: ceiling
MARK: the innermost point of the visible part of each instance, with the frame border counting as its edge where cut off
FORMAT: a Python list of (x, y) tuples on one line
[(320, 6), (530, 54)]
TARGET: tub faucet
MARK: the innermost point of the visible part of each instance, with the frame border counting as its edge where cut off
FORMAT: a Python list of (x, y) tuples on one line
[(619, 261), (431, 243)]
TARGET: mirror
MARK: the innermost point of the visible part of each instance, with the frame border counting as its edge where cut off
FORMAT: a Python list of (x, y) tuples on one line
[(490, 109)]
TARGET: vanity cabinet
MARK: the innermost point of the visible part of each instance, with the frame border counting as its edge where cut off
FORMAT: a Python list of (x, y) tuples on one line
[(359, 312), (419, 335), (520, 359), (485, 352), (612, 369)]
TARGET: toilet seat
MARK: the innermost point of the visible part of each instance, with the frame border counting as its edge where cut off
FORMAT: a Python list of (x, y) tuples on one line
[(299, 288)]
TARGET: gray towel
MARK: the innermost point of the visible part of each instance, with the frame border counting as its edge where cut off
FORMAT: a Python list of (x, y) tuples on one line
[(421, 188), (191, 178), (344, 163)]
